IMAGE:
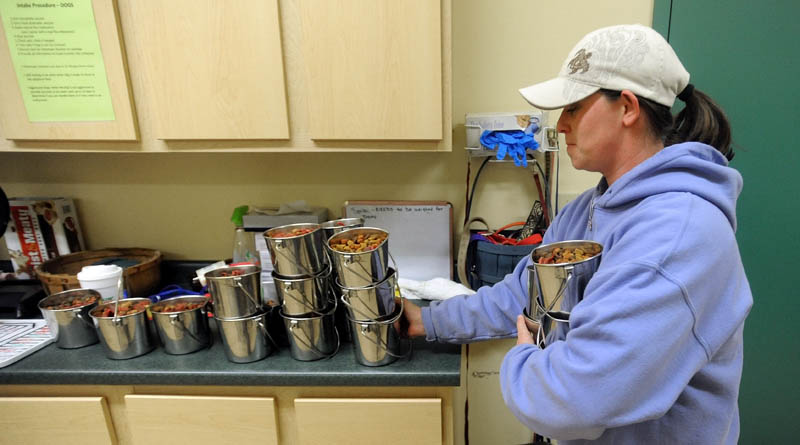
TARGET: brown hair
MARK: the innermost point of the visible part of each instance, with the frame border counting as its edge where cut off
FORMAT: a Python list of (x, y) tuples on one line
[(701, 120)]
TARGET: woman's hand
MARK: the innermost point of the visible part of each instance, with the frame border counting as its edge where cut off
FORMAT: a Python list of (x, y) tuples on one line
[(524, 336), (410, 324)]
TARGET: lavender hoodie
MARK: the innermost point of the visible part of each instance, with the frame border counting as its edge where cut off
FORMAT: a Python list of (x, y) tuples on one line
[(653, 352)]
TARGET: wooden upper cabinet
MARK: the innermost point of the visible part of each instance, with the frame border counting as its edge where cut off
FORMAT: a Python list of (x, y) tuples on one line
[(214, 69), (373, 69)]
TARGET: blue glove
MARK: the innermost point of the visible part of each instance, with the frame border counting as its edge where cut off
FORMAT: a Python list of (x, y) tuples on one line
[(514, 143)]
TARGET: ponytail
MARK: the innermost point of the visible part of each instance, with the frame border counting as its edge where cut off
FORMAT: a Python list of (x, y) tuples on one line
[(702, 120)]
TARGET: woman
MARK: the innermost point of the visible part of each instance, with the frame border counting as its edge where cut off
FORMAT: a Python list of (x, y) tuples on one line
[(653, 351)]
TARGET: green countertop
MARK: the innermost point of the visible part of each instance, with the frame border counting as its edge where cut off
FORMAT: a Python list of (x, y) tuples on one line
[(429, 364)]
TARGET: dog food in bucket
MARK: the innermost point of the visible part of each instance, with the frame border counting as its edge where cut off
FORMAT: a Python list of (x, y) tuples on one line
[(125, 308), (290, 233), (235, 290), (182, 323), (67, 315), (360, 242), (296, 249), (127, 335), (179, 306), (79, 300), (569, 255)]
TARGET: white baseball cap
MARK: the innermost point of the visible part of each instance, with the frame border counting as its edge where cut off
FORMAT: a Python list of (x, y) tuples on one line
[(623, 57)]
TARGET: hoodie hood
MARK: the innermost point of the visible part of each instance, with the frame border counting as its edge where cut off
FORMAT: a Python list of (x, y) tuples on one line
[(689, 167)]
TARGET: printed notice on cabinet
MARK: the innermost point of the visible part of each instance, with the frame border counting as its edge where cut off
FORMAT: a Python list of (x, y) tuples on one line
[(56, 54)]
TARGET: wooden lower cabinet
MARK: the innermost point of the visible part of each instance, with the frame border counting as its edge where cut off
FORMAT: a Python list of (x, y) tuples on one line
[(349, 421), (165, 419), (62, 420), (150, 415)]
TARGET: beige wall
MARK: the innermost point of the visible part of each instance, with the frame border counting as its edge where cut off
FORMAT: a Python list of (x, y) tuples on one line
[(180, 203)]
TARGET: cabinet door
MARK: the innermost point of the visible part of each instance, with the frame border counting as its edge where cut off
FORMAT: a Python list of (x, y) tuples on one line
[(214, 69), (351, 421), (374, 69), (489, 420), (62, 420), (156, 419)]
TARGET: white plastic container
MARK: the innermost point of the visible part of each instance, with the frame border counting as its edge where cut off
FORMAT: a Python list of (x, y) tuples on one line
[(102, 278)]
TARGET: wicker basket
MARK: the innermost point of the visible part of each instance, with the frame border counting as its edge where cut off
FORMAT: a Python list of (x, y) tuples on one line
[(141, 280)]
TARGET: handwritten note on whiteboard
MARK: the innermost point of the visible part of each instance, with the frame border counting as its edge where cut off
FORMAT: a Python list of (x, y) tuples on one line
[(420, 234)]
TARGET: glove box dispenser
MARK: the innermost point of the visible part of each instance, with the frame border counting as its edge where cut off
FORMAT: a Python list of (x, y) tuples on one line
[(529, 122)]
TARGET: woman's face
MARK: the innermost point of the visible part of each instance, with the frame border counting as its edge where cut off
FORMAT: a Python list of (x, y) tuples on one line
[(591, 128)]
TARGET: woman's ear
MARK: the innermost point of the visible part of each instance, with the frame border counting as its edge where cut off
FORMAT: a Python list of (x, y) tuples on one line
[(631, 110)]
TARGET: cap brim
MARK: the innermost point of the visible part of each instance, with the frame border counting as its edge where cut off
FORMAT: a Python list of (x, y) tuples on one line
[(556, 93)]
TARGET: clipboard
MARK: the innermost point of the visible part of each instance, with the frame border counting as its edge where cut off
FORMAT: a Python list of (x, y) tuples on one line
[(420, 234)]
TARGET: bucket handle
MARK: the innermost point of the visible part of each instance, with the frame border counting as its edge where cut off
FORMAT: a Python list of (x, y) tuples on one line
[(238, 281), (280, 251), (369, 317), (570, 273), (394, 263), (174, 320), (348, 259), (82, 317), (346, 301), (540, 336), (365, 327), (293, 324), (289, 285), (263, 328)]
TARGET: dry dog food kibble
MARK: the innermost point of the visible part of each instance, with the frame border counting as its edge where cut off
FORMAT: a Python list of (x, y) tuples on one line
[(79, 301), (232, 273), (293, 232), (358, 243), (125, 308), (179, 306), (568, 255)]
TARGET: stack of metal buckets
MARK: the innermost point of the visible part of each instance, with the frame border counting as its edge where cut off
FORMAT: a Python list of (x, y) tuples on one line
[(302, 281), (548, 283), (240, 316), (367, 285)]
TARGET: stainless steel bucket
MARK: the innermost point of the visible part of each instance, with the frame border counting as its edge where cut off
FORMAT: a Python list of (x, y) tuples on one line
[(182, 330), (235, 291), (245, 339), (360, 269), (69, 320), (312, 336), (125, 336), (377, 342), (302, 295), (335, 226), (547, 283), (297, 255), (371, 302)]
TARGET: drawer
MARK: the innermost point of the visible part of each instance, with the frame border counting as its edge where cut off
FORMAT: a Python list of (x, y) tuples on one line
[(171, 420), (350, 421), (62, 420)]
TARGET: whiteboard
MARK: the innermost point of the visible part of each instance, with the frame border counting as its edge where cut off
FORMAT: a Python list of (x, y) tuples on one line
[(420, 234)]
